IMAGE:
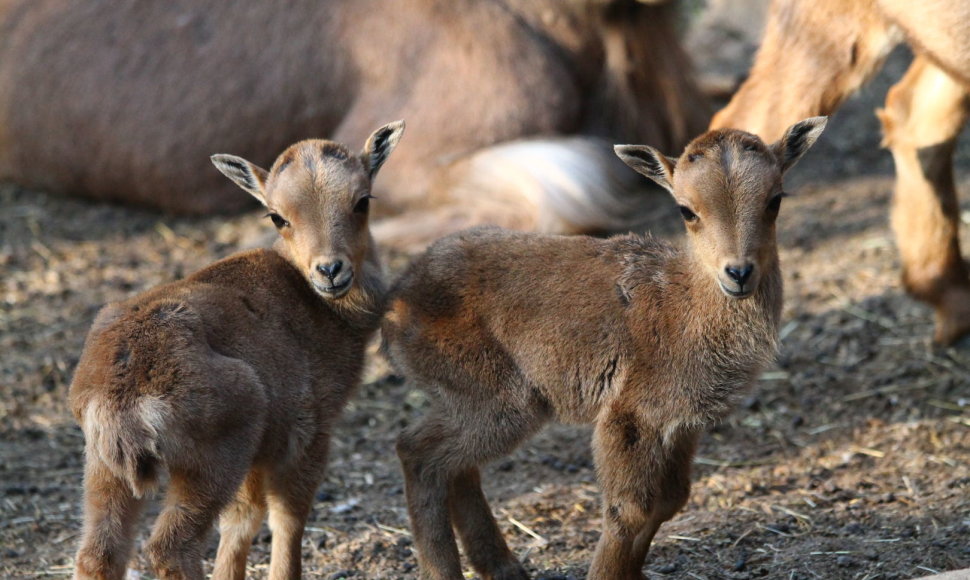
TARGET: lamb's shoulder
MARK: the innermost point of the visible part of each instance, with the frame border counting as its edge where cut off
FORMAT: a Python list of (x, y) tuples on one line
[(254, 277), (492, 258), (649, 267), (250, 269), (240, 294), (445, 260)]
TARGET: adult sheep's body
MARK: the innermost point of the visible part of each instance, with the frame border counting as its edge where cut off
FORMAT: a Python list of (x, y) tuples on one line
[(818, 52), (96, 98)]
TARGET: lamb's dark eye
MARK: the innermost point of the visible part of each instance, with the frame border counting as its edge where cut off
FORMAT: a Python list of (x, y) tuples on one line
[(689, 216), (278, 220), (775, 204), (363, 204)]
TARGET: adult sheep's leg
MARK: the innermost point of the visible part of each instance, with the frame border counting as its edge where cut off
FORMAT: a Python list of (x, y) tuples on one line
[(924, 114)]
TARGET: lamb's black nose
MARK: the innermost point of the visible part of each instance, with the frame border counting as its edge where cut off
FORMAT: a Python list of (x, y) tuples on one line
[(330, 270), (741, 274)]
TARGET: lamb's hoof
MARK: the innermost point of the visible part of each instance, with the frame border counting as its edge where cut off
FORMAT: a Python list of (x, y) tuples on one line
[(512, 571)]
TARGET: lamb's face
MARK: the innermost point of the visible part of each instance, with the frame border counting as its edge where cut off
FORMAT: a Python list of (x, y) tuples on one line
[(728, 185), (729, 191), (318, 196)]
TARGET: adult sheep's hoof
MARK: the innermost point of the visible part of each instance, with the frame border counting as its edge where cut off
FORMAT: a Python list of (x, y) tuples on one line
[(953, 317)]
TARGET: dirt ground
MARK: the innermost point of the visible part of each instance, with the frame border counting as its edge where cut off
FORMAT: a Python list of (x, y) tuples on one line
[(850, 459)]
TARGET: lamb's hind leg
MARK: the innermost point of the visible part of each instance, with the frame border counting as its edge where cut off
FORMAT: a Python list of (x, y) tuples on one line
[(479, 532), (210, 448), (439, 457), (290, 493), (238, 523), (110, 514), (193, 501), (924, 114)]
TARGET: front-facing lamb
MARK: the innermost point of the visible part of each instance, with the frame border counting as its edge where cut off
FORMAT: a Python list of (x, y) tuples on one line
[(232, 378), (649, 343)]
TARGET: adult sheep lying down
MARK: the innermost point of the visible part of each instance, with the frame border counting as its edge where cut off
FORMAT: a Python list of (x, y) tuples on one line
[(505, 99)]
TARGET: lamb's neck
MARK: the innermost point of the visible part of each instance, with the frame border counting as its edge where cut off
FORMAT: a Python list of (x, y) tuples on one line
[(369, 292), (363, 306), (730, 340), (712, 304)]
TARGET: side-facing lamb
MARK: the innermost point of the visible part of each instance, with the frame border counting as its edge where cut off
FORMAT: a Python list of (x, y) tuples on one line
[(231, 379), (649, 343)]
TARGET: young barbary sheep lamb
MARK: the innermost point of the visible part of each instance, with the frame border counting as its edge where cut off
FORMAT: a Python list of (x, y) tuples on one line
[(649, 343), (232, 378)]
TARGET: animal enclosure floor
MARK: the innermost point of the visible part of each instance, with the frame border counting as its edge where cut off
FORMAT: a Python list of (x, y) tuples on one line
[(850, 458)]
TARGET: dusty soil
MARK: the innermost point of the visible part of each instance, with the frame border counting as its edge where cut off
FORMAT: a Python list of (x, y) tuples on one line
[(850, 459)]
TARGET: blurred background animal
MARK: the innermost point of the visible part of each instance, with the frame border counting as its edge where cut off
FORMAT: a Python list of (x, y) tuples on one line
[(817, 53), (512, 103)]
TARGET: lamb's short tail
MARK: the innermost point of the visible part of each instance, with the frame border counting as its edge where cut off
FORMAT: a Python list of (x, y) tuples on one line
[(125, 437), (567, 185)]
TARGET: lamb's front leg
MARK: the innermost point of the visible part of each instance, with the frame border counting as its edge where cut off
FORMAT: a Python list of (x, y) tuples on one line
[(674, 490), (645, 480), (290, 491), (238, 523)]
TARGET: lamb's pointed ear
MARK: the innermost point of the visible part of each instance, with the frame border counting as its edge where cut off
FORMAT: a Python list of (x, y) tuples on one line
[(797, 140), (649, 162), (379, 145), (246, 175)]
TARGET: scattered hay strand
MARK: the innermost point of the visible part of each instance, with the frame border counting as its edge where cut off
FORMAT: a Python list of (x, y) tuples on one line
[(543, 541)]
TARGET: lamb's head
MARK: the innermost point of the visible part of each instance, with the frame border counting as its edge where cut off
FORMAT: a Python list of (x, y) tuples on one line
[(318, 195), (728, 185)]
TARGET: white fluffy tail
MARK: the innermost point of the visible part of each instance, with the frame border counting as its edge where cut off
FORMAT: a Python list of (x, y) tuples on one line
[(566, 185), (126, 440)]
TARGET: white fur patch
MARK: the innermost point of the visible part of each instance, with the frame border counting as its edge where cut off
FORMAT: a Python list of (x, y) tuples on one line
[(103, 427), (573, 184), (153, 413)]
